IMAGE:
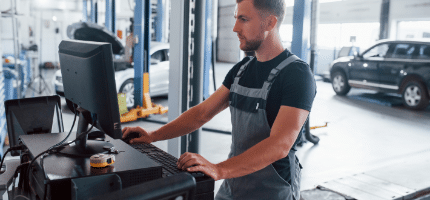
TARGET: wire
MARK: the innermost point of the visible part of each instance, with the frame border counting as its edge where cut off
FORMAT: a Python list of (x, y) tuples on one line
[(55, 147), (4, 156), (74, 120)]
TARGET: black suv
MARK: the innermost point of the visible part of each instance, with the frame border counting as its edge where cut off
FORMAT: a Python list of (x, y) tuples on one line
[(389, 66)]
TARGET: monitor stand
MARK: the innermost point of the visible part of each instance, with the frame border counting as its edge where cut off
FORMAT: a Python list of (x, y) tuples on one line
[(84, 147)]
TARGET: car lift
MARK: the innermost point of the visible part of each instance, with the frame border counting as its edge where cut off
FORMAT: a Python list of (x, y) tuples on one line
[(147, 108), (142, 18)]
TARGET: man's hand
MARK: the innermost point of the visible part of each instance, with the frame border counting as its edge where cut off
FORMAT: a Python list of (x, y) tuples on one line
[(193, 162), (144, 136)]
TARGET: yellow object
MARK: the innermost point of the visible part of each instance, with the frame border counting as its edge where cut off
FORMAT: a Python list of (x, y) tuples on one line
[(315, 127), (102, 160), (122, 102), (148, 107)]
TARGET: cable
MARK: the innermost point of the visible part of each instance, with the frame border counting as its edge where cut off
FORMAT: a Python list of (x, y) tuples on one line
[(74, 120), (55, 147), (20, 147), (2, 159)]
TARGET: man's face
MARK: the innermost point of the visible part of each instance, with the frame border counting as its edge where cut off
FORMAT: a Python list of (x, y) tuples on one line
[(249, 26)]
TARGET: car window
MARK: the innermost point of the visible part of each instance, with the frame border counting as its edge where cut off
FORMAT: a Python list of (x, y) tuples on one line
[(423, 52), (403, 51), (377, 52), (158, 56)]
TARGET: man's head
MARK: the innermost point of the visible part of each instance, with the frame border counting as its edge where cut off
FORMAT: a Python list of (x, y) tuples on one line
[(256, 19)]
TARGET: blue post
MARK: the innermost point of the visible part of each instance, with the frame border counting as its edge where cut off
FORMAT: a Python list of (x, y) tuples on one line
[(147, 36), (110, 15), (208, 48), (84, 11), (93, 12), (159, 35), (301, 28), (138, 56)]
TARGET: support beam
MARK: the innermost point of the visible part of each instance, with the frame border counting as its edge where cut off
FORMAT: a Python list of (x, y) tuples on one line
[(138, 57), (110, 16), (159, 34), (301, 26), (384, 20), (179, 27), (84, 11), (207, 48), (93, 14), (198, 65)]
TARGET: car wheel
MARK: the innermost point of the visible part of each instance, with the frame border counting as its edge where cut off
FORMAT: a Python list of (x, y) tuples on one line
[(340, 83), (70, 105), (128, 88), (415, 95)]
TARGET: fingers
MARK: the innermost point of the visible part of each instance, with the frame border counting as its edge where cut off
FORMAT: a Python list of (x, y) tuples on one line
[(190, 159), (125, 131)]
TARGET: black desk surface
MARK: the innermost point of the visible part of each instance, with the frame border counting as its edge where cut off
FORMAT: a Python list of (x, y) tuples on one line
[(59, 167)]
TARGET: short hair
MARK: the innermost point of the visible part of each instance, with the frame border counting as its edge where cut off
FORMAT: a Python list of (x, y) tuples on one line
[(274, 7)]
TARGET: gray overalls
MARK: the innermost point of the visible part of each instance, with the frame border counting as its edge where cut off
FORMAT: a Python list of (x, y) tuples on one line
[(250, 126)]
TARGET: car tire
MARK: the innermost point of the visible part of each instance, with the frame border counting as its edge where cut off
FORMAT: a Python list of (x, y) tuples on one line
[(415, 95), (340, 84), (70, 105), (128, 88)]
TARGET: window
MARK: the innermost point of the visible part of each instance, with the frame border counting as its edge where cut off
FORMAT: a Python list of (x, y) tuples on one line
[(158, 57), (377, 52), (403, 51), (423, 52)]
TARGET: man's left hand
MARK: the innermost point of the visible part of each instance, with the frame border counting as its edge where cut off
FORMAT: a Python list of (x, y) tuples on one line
[(193, 162)]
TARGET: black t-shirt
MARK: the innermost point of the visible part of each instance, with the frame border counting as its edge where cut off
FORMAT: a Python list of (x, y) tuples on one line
[(294, 87)]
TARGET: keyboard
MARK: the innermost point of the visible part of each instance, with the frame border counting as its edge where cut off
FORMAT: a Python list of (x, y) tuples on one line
[(205, 185)]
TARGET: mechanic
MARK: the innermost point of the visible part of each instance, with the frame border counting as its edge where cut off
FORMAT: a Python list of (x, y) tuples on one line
[(269, 96)]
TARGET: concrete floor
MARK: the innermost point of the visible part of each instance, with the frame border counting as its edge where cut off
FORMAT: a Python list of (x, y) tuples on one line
[(360, 137)]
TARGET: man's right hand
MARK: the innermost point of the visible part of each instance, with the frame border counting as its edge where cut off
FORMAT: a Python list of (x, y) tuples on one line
[(144, 136)]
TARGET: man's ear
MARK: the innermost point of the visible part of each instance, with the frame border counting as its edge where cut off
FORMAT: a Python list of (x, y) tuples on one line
[(271, 22)]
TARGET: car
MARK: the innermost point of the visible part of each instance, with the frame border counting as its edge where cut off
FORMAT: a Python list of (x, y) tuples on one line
[(390, 66), (124, 71), (124, 75)]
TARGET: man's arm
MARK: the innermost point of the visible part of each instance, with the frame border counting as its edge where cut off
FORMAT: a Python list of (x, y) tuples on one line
[(188, 121), (283, 134)]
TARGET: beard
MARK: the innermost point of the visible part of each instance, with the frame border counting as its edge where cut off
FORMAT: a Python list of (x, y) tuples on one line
[(251, 45)]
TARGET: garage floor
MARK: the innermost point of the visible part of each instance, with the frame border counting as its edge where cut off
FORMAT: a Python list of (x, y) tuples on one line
[(361, 136)]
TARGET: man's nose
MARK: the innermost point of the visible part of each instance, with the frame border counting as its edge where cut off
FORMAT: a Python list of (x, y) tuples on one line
[(236, 27)]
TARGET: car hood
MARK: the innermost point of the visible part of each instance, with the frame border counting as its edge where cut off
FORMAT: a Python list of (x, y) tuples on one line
[(94, 32), (344, 59)]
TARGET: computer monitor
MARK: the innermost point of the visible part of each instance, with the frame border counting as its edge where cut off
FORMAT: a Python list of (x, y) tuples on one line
[(89, 81)]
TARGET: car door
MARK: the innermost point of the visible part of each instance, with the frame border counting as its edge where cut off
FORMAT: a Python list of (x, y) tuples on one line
[(363, 72), (395, 64), (159, 73)]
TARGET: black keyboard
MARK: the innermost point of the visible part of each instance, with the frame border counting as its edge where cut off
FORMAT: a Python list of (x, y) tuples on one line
[(205, 185), (167, 161)]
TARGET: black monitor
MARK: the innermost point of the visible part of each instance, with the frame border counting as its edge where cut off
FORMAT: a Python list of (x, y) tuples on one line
[(89, 81)]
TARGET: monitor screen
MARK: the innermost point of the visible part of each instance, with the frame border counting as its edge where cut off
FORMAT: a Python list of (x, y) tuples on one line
[(89, 81)]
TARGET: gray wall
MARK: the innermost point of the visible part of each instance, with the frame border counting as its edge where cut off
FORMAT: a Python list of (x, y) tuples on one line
[(228, 44)]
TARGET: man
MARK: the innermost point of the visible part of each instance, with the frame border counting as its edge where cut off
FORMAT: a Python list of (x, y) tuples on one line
[(269, 96)]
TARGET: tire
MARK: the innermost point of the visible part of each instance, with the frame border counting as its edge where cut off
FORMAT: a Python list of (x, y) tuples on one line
[(340, 83), (128, 88), (415, 95), (70, 105)]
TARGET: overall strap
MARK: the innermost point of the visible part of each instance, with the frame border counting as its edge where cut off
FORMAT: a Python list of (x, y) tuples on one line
[(275, 72), (242, 70)]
